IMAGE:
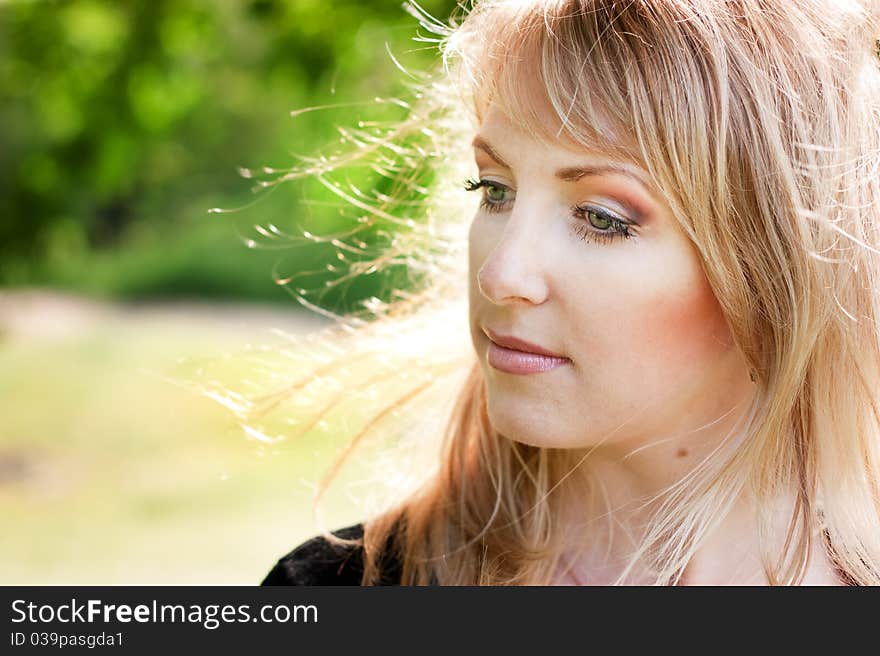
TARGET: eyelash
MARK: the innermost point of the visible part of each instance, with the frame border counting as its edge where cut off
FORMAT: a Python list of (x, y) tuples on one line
[(619, 227)]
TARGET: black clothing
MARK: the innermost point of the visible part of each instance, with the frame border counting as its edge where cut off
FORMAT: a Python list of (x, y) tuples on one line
[(318, 562)]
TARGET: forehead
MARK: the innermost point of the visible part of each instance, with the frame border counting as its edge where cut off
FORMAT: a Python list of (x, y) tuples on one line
[(506, 139), (546, 98), (519, 102)]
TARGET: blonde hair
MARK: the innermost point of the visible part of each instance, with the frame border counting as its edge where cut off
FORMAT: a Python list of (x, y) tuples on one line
[(759, 120)]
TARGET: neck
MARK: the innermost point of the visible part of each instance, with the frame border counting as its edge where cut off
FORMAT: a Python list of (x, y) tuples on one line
[(629, 484)]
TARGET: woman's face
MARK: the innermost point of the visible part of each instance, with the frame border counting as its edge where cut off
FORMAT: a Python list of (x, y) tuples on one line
[(586, 262)]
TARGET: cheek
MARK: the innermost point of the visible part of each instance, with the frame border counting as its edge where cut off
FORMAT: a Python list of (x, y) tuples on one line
[(664, 321), (475, 250), (480, 240), (473, 266), (479, 245), (688, 330), (686, 316)]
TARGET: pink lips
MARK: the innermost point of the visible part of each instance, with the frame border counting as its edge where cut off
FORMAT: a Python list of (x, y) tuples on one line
[(516, 356)]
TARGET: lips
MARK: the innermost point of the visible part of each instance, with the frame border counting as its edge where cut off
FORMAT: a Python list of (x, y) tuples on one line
[(516, 344), (513, 355)]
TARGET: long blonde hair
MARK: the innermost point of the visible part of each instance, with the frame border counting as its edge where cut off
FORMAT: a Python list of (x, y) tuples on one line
[(759, 120)]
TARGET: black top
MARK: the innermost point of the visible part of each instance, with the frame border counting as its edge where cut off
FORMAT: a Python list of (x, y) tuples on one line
[(318, 562)]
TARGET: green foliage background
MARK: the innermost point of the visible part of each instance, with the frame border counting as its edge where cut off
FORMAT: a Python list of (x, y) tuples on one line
[(122, 123)]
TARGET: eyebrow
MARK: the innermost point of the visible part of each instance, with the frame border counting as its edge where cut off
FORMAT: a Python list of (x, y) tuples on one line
[(569, 173), (483, 145)]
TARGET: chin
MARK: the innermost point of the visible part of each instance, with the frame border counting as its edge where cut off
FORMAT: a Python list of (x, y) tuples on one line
[(530, 430)]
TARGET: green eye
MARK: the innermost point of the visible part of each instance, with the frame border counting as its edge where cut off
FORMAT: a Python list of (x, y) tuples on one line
[(595, 224), (599, 221), (495, 197), (495, 194)]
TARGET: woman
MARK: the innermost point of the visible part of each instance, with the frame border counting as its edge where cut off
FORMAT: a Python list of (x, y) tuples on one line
[(674, 305)]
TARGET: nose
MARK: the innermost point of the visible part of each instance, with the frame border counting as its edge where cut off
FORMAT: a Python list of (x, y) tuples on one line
[(515, 270)]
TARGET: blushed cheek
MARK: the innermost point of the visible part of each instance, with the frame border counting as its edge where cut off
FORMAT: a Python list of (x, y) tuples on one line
[(686, 322), (695, 325), (662, 322)]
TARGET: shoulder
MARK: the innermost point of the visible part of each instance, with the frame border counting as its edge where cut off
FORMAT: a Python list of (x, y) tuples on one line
[(319, 562)]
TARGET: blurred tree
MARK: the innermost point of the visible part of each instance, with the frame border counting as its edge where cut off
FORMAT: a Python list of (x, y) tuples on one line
[(122, 122)]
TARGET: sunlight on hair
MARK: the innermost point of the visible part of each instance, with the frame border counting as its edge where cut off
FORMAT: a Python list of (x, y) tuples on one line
[(759, 126)]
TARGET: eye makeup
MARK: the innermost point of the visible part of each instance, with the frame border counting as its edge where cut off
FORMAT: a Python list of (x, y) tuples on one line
[(597, 224), (593, 223), (628, 182), (490, 201)]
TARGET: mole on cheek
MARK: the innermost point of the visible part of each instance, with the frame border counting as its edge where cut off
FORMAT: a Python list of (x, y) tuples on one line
[(681, 453)]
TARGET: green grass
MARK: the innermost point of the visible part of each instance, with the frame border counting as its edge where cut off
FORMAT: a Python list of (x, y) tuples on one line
[(111, 475)]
